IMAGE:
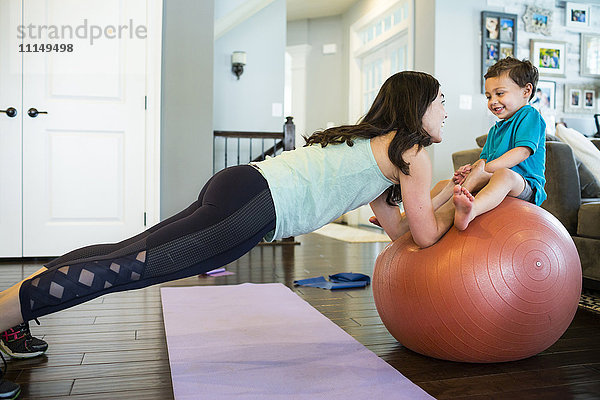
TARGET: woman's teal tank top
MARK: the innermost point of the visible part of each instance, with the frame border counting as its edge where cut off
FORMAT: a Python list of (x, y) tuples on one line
[(312, 186)]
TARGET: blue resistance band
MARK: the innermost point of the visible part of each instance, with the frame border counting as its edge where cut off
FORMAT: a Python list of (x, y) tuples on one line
[(343, 280)]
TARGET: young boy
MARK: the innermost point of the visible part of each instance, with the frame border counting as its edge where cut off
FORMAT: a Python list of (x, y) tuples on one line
[(513, 158)]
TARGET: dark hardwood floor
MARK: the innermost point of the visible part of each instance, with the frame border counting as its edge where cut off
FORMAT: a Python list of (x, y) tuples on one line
[(114, 347)]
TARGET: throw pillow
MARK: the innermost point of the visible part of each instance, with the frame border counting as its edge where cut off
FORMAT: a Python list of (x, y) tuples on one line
[(582, 147)]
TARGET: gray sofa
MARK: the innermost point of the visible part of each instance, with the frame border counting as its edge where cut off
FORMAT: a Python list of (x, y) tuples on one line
[(573, 198)]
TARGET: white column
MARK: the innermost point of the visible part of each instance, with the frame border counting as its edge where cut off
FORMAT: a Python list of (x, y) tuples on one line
[(299, 54)]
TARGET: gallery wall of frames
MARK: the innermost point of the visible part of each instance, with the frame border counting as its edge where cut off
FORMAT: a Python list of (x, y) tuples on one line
[(562, 40)]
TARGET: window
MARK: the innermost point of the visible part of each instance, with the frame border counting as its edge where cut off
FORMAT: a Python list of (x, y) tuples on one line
[(381, 44), (377, 67), (384, 23)]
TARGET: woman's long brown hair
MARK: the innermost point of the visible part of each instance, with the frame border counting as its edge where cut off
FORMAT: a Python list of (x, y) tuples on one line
[(399, 106)]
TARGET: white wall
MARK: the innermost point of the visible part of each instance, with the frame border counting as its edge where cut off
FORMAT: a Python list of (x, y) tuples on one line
[(187, 102), (457, 67), (325, 87), (246, 104)]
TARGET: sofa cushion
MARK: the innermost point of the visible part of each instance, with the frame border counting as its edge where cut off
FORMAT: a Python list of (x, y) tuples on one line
[(588, 220), (480, 140), (590, 188)]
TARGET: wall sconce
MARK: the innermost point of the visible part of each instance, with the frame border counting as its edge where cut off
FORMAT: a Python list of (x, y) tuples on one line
[(238, 60)]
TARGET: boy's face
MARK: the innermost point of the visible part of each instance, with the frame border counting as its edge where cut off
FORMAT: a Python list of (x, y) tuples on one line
[(504, 96)]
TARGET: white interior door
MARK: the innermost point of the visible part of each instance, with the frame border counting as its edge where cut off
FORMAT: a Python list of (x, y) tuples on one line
[(10, 132), (83, 161)]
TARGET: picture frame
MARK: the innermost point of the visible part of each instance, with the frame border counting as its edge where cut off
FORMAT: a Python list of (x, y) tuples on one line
[(499, 39), (581, 99), (589, 99), (538, 20), (590, 55), (575, 98), (549, 56), (577, 16), (545, 96)]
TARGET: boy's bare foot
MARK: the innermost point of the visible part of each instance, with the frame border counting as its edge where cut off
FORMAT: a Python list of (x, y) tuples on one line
[(463, 203), (477, 178)]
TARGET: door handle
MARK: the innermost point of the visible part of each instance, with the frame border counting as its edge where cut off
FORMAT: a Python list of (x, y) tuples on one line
[(11, 112), (32, 112)]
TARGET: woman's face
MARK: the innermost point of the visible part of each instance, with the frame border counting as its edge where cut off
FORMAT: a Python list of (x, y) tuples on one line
[(435, 118)]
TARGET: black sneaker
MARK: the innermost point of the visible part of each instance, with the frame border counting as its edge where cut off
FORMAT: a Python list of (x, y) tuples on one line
[(8, 390), (17, 342)]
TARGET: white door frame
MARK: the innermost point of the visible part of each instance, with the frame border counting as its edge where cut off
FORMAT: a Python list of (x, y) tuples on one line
[(152, 120), (153, 108)]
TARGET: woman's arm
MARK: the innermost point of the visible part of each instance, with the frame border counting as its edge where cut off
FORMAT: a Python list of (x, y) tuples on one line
[(428, 215), (393, 222), (427, 225), (389, 217)]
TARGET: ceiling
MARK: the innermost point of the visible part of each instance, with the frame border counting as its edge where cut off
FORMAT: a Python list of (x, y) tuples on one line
[(303, 9)]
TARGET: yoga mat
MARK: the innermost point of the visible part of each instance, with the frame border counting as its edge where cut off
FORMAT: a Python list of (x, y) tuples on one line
[(264, 342)]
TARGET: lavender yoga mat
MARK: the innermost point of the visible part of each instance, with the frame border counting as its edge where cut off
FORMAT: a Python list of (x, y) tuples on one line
[(264, 342)]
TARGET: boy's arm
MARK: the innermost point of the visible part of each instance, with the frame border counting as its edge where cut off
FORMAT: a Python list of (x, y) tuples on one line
[(509, 159)]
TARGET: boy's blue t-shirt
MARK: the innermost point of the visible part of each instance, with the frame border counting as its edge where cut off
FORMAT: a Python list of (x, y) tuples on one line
[(525, 128)]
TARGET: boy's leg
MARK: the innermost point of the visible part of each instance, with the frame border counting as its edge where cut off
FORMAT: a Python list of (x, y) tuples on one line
[(237, 210), (502, 183)]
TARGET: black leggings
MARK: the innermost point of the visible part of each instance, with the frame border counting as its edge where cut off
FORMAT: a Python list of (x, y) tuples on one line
[(233, 212)]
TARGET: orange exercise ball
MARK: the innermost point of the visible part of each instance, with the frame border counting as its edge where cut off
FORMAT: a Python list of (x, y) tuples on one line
[(504, 289)]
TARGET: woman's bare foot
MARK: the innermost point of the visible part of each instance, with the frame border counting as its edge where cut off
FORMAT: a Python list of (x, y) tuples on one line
[(463, 203)]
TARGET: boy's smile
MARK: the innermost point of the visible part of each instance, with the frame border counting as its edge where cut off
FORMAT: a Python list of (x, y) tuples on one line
[(504, 96)]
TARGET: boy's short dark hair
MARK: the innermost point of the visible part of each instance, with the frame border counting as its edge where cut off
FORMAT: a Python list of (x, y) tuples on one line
[(521, 72)]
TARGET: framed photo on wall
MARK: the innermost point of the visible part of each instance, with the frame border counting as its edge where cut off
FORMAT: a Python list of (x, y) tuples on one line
[(581, 99), (577, 15), (499, 34), (590, 55), (545, 95), (538, 20), (549, 56), (589, 99)]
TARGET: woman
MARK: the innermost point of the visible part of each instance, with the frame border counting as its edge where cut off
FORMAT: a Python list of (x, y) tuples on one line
[(379, 161)]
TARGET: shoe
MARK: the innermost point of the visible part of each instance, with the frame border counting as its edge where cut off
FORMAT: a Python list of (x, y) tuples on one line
[(17, 342), (8, 390)]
